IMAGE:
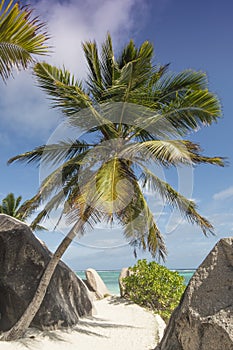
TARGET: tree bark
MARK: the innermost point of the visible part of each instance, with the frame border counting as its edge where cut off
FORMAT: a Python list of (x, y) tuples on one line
[(18, 330)]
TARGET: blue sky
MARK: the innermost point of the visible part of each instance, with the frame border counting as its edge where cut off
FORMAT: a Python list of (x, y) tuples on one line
[(186, 34)]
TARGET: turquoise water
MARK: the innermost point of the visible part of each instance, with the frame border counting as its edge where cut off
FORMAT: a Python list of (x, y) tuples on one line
[(110, 278), (187, 274)]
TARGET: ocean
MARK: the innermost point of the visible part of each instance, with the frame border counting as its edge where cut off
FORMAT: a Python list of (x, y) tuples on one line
[(110, 278)]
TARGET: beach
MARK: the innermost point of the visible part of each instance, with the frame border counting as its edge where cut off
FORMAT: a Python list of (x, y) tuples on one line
[(115, 324)]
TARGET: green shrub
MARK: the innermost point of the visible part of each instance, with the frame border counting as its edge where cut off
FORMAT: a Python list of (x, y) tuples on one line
[(155, 287)]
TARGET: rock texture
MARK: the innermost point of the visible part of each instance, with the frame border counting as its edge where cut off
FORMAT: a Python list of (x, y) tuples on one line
[(95, 284), (22, 261), (204, 318), (125, 272), (160, 328)]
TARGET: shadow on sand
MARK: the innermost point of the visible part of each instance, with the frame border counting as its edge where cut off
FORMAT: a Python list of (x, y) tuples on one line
[(90, 326)]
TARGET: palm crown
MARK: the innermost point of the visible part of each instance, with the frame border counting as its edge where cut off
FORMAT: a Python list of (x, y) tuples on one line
[(135, 113), (12, 206)]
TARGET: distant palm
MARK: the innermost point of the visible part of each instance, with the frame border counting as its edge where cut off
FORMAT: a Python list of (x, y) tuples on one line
[(104, 179), (20, 37), (12, 206)]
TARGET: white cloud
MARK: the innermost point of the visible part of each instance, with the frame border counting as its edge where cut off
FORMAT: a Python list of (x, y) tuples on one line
[(225, 194), (72, 22), (24, 108)]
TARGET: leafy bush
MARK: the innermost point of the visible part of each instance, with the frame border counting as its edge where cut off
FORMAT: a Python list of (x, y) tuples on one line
[(155, 287)]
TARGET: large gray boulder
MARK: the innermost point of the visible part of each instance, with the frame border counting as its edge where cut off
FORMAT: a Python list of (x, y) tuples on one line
[(204, 318), (95, 284), (22, 262)]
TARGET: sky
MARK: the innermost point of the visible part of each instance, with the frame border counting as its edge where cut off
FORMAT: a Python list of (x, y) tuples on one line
[(187, 34)]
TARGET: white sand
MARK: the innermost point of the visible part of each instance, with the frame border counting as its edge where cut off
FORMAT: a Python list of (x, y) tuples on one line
[(116, 325)]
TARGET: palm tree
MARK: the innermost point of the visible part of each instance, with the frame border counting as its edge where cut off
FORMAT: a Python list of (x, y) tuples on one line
[(135, 113), (11, 206), (20, 37)]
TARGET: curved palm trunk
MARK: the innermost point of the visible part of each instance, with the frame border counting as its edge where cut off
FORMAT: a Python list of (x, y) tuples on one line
[(24, 322)]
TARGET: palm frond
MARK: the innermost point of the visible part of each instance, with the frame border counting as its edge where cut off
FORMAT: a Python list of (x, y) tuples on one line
[(157, 73), (18, 201), (61, 177), (38, 227), (187, 207), (169, 152), (29, 207), (113, 181), (12, 56), (129, 54), (171, 85), (54, 203), (52, 153), (193, 110), (95, 78), (65, 92), (109, 67), (197, 158), (134, 70), (68, 95), (140, 228), (20, 37)]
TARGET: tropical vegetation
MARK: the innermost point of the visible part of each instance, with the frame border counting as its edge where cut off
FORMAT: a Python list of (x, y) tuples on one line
[(21, 37), (154, 286), (12, 206), (133, 113)]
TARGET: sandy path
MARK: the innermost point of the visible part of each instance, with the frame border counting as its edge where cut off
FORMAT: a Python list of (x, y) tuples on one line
[(117, 325)]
